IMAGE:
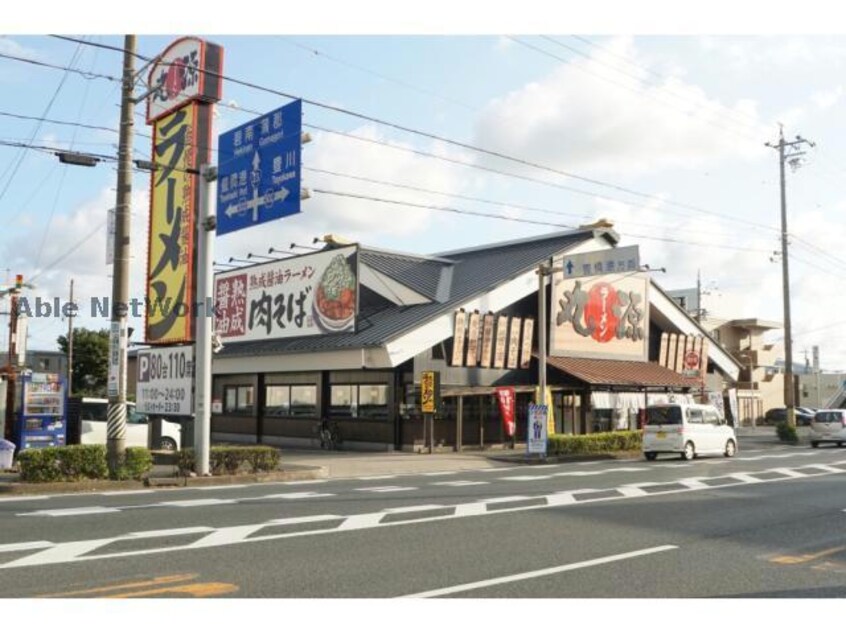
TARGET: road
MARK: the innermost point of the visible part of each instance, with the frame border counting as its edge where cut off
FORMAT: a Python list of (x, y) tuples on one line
[(767, 523)]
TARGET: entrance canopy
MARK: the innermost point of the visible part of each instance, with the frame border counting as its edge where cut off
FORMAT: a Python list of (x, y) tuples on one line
[(608, 372)]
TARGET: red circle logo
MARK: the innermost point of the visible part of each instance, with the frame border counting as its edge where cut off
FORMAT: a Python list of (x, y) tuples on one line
[(598, 312), (691, 360)]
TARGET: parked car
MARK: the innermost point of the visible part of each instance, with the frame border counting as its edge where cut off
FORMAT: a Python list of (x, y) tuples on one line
[(810, 411), (829, 425), (779, 415), (94, 420), (687, 430)]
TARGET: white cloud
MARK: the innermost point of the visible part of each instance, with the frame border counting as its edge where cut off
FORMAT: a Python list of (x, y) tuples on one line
[(573, 119), (825, 99)]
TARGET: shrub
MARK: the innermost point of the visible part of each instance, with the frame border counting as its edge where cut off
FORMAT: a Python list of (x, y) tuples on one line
[(63, 464), (586, 444), (786, 432), (229, 459), (137, 463)]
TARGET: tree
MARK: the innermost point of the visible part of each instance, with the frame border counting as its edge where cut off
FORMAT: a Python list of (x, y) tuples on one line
[(90, 361)]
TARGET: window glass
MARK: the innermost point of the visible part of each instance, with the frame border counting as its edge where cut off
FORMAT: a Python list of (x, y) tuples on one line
[(230, 400), (712, 418), (695, 416), (344, 400), (373, 401), (304, 400), (238, 399), (667, 415), (245, 398), (95, 411), (277, 400)]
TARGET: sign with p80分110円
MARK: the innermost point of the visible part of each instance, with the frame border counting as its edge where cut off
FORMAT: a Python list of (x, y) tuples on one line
[(164, 380), (312, 294)]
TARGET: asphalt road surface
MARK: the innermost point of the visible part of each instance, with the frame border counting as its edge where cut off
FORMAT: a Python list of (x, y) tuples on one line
[(767, 523)]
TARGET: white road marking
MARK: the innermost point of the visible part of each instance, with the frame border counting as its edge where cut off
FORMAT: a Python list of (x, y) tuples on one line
[(527, 478), (437, 473), (59, 553), (544, 572), (512, 498), (744, 477), (631, 492), (357, 522), (138, 492), (459, 483), (790, 473), (391, 489), (377, 477), (23, 498), (296, 496), (304, 520), (8, 548), (227, 535), (87, 510), (219, 487), (415, 509), (694, 484), (473, 508), (496, 469), (171, 532), (200, 502)]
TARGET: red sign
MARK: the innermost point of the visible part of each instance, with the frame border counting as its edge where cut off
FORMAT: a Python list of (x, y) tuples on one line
[(507, 398), (691, 360)]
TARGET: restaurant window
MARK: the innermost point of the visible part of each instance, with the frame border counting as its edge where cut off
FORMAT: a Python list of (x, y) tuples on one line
[(359, 401), (291, 400), (238, 399)]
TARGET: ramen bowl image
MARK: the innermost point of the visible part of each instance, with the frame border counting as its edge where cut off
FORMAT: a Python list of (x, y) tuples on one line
[(334, 302)]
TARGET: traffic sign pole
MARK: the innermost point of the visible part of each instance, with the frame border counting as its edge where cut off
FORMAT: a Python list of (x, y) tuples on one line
[(203, 343)]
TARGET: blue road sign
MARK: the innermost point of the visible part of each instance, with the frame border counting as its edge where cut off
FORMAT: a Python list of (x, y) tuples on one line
[(258, 171)]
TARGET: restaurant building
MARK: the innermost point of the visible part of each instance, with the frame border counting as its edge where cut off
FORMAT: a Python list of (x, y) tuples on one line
[(344, 334)]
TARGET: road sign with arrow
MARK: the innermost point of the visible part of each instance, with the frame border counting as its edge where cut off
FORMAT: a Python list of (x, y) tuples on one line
[(259, 170)]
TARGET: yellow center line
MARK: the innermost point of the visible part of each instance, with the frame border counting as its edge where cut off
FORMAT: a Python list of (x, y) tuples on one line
[(123, 586), (801, 559), (193, 589)]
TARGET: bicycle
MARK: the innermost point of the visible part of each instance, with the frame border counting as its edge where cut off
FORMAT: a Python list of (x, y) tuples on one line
[(329, 436)]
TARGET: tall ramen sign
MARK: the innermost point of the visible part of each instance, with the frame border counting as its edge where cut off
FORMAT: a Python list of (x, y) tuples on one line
[(295, 297), (600, 317), (184, 81)]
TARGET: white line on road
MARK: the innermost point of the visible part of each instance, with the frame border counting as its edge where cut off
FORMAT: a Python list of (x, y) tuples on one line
[(511, 498), (171, 532), (8, 548), (459, 483), (24, 498), (87, 510), (377, 477), (201, 502), (299, 495), (415, 509), (390, 489), (138, 492), (539, 573), (437, 473), (304, 520)]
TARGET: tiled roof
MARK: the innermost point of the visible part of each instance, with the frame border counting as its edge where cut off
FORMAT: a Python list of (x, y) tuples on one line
[(621, 373), (474, 272)]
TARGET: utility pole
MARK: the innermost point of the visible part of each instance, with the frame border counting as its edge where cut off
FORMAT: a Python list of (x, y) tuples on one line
[(70, 343), (793, 157), (116, 430)]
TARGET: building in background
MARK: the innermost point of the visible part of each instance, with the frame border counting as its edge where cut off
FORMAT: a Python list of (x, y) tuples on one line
[(48, 361)]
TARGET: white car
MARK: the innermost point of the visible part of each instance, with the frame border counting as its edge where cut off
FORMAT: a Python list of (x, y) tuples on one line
[(94, 421), (829, 425), (687, 430)]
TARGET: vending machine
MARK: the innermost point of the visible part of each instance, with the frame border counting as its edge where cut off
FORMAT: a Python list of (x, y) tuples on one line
[(41, 410)]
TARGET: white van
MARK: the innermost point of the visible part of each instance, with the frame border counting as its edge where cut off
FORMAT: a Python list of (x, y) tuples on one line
[(94, 420), (687, 430), (829, 425)]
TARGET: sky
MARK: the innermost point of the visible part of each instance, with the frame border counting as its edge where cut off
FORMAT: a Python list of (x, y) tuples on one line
[(650, 124)]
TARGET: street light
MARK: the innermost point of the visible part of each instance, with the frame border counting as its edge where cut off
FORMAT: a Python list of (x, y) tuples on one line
[(76, 158)]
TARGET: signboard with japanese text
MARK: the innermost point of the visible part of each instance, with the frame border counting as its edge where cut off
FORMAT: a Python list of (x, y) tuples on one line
[(487, 339), (188, 70), (514, 343), (501, 341), (430, 388), (605, 317), (259, 170), (685, 354), (536, 429), (180, 145), (526, 348), (311, 294), (164, 381), (459, 334), (473, 340), (617, 260)]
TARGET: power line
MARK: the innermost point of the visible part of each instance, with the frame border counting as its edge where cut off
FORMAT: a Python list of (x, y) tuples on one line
[(67, 69), (57, 122), (434, 137), (751, 122), (69, 252), (520, 220), (632, 89)]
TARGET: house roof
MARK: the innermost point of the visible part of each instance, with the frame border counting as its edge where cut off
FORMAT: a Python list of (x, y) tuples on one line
[(473, 272), (615, 373)]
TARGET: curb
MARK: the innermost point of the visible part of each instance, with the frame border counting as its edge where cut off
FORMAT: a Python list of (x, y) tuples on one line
[(622, 455), (285, 475)]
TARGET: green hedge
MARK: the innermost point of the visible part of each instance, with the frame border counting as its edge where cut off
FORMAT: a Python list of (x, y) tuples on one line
[(587, 444), (786, 432), (80, 462), (232, 459)]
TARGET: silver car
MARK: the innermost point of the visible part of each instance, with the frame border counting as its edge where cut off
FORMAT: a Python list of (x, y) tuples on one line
[(829, 425)]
